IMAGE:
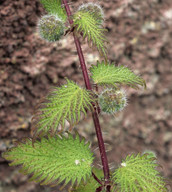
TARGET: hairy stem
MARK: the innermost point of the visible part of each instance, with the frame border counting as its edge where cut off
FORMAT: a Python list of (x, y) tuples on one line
[(94, 114)]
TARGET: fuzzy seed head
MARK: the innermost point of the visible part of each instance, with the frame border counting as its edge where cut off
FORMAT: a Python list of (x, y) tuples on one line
[(50, 28), (95, 9), (112, 101)]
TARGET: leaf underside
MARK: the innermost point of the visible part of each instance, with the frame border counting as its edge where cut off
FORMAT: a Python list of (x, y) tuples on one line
[(109, 74), (54, 7), (63, 104), (53, 160), (86, 23), (138, 173)]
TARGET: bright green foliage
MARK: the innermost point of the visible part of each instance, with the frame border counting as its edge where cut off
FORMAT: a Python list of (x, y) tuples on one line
[(93, 8), (138, 174), (50, 28), (53, 160), (63, 103), (112, 101), (88, 24), (110, 74), (91, 185), (54, 7)]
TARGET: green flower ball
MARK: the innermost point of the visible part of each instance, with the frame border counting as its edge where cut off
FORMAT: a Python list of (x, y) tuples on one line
[(50, 28), (112, 101)]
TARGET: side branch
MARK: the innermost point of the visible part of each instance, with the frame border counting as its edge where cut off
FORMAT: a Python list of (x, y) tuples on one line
[(97, 179)]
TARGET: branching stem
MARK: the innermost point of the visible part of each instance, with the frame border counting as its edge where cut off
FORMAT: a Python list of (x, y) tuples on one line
[(94, 114), (97, 179)]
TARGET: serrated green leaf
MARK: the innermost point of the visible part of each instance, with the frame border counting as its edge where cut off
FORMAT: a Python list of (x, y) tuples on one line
[(85, 22), (93, 8), (138, 173), (53, 160), (91, 185), (65, 103), (110, 74), (54, 7)]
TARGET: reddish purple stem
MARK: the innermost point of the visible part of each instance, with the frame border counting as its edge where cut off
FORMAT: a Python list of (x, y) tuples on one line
[(97, 179), (94, 114)]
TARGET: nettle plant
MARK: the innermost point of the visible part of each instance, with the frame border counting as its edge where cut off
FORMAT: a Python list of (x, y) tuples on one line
[(55, 155)]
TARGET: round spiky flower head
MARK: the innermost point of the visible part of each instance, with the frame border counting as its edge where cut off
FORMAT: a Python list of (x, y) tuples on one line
[(51, 28), (112, 101), (95, 9)]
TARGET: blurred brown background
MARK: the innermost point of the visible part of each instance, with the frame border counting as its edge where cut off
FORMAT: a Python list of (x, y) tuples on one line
[(140, 36)]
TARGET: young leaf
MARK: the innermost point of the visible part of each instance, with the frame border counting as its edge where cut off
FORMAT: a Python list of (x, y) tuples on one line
[(54, 7), (109, 74), (150, 154), (87, 23), (138, 173), (93, 7), (65, 103), (91, 185), (53, 160)]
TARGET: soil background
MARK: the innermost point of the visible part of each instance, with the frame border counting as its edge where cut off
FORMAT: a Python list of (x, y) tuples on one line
[(140, 37)]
